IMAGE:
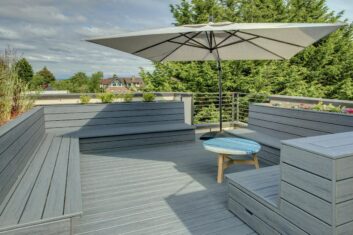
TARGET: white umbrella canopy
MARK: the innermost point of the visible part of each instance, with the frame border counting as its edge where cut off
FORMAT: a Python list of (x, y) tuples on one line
[(224, 41), (220, 41)]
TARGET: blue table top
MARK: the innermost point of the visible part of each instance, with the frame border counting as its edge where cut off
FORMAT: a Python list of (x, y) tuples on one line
[(232, 146)]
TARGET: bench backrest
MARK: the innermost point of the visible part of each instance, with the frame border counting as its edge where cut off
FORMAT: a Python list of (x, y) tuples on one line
[(18, 141), (68, 118), (286, 123)]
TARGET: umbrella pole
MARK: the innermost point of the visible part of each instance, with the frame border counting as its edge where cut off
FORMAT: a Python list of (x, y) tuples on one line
[(219, 66)]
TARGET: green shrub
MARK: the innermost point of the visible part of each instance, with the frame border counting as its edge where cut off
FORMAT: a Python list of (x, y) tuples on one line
[(128, 97), (106, 97), (84, 99), (328, 108), (15, 97), (148, 97)]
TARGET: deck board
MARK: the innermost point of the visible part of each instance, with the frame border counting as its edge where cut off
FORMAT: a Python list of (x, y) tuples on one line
[(169, 189)]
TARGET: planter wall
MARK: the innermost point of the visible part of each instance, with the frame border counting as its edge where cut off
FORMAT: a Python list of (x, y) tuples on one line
[(18, 141), (287, 123), (68, 118)]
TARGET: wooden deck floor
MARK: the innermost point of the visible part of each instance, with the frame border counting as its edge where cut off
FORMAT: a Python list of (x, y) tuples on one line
[(159, 190)]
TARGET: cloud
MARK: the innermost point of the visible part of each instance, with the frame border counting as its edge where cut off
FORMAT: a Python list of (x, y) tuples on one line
[(51, 33), (92, 31), (37, 13), (6, 33)]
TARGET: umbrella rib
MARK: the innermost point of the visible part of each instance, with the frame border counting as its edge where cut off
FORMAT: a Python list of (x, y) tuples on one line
[(193, 40), (224, 40), (188, 44), (252, 43), (237, 42), (157, 44), (272, 39), (179, 46)]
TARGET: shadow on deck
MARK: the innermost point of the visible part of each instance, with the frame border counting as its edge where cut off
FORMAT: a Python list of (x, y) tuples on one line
[(169, 189)]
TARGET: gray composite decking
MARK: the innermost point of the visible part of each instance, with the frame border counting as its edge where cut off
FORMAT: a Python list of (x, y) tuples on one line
[(167, 189)]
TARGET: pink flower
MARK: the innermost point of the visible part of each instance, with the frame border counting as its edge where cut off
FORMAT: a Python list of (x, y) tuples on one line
[(349, 110)]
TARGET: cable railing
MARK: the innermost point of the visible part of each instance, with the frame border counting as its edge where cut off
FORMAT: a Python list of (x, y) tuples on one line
[(235, 107)]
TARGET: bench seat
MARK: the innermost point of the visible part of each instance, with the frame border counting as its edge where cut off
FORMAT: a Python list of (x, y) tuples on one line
[(90, 132), (96, 139), (47, 191), (254, 197)]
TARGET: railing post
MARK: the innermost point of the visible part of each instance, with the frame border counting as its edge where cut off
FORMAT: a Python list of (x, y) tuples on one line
[(238, 110), (233, 108)]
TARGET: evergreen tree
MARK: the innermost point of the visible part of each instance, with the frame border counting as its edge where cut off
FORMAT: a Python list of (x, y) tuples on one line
[(321, 70), (47, 75), (24, 70)]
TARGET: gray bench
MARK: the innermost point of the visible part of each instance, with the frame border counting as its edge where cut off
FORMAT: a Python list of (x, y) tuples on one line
[(40, 178), (269, 125), (103, 127), (310, 192), (40, 189)]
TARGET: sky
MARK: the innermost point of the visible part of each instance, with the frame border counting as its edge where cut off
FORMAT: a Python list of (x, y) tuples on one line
[(52, 33)]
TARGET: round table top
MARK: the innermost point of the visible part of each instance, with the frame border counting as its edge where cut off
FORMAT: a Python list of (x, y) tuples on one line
[(232, 146)]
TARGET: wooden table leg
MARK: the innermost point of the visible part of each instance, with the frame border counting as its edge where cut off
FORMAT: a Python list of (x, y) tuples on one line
[(256, 161), (220, 174)]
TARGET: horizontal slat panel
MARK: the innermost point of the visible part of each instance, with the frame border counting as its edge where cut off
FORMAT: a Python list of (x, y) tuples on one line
[(26, 122), (252, 220), (11, 173), (304, 220), (308, 202), (115, 130), (314, 184), (115, 121), (111, 114), (273, 133), (344, 168), (293, 130), (270, 157), (302, 123), (264, 213), (345, 229), (130, 137), (344, 212), (307, 161), (344, 190), (324, 117), (111, 107), (12, 124), (16, 148), (135, 143)]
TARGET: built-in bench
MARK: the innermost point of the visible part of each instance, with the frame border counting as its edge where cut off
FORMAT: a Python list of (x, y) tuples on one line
[(40, 188), (120, 125), (40, 178), (269, 125), (310, 192)]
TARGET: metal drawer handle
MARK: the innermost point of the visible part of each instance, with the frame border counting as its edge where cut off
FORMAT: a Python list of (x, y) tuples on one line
[(249, 212)]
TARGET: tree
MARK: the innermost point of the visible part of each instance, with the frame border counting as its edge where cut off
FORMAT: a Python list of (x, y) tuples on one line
[(321, 70), (47, 75), (94, 83), (24, 70), (37, 82)]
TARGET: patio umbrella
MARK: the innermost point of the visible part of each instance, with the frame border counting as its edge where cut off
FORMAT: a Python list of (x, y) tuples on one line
[(220, 41)]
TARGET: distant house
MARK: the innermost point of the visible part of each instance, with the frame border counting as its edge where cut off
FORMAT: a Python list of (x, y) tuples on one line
[(121, 84)]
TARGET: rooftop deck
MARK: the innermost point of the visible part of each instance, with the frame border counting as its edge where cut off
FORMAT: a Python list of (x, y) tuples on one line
[(168, 189)]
